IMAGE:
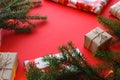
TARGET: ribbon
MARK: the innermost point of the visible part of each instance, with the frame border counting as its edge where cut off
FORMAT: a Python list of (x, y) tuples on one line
[(3, 65), (98, 34)]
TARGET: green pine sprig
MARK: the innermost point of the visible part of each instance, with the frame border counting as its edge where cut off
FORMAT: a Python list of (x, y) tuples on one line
[(17, 10), (112, 24), (112, 61), (71, 66), (33, 73)]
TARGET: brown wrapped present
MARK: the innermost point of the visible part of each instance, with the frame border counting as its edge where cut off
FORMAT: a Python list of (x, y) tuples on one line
[(97, 39), (8, 65), (115, 10)]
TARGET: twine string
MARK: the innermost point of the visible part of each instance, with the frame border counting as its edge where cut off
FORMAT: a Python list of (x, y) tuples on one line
[(3, 65), (98, 34)]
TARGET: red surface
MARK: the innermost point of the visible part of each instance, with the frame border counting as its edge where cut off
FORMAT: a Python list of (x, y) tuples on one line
[(63, 24)]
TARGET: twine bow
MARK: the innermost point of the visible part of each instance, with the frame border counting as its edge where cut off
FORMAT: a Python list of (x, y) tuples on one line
[(98, 34), (3, 65)]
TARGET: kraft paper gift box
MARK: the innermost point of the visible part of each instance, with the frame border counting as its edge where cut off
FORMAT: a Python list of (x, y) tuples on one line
[(94, 6), (115, 10), (40, 64), (8, 65), (97, 39)]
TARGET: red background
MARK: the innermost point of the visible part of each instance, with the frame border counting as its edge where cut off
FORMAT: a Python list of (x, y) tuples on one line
[(63, 24)]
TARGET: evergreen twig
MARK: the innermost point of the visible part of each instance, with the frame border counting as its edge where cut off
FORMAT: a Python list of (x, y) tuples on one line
[(113, 25), (75, 67), (112, 60), (17, 10)]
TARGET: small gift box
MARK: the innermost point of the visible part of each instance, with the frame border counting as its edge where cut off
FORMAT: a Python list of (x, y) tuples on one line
[(8, 65), (94, 6), (115, 10), (97, 39), (40, 64)]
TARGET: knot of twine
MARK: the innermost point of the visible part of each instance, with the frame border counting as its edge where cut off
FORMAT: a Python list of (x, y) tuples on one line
[(101, 36), (3, 65)]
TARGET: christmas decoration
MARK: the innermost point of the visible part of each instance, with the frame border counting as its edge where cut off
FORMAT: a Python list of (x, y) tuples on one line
[(8, 65), (111, 58), (112, 61), (14, 12), (113, 25), (110, 73), (73, 67), (39, 63), (97, 39), (94, 6), (115, 10)]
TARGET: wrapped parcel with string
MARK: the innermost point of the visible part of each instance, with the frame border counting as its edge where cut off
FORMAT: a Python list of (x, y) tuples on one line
[(115, 10), (97, 39), (94, 6), (8, 65)]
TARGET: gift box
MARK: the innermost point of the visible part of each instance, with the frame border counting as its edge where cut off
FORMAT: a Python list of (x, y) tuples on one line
[(97, 39), (8, 65), (40, 64), (94, 6), (115, 10)]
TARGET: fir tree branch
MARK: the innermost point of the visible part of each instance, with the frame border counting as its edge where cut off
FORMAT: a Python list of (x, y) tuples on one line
[(26, 2), (73, 69), (33, 73), (113, 25), (17, 10), (53, 62), (23, 30), (36, 17), (9, 4), (107, 55)]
